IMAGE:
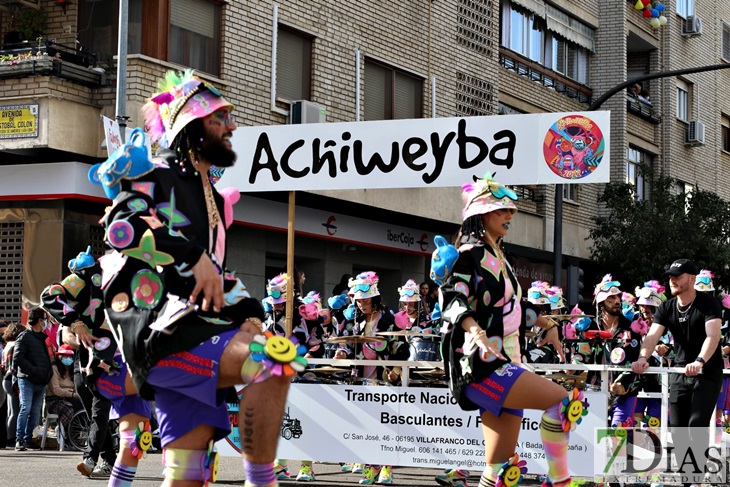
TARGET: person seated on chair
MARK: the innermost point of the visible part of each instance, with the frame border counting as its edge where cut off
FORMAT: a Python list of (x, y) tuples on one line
[(61, 397)]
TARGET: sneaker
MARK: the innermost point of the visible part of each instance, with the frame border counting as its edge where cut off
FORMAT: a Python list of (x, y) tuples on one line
[(86, 467), (386, 475), (452, 478), (358, 468), (102, 470), (306, 474), (281, 471), (32, 446), (20, 446), (369, 475)]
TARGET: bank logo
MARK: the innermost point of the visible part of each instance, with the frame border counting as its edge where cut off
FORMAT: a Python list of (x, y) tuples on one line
[(682, 456), (423, 242), (573, 147), (330, 226)]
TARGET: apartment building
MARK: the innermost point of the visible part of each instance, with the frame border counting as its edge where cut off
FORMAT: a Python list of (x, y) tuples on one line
[(320, 60)]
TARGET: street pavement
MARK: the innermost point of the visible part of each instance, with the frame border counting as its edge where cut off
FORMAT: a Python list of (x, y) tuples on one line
[(58, 469)]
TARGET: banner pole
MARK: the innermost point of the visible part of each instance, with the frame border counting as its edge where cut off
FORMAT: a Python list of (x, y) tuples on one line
[(290, 262)]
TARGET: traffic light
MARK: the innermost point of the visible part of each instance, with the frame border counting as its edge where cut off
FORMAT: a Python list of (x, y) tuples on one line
[(575, 284)]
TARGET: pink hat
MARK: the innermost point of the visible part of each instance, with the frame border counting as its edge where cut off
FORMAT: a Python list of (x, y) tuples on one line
[(364, 285), (276, 289), (485, 195), (183, 98), (652, 294), (409, 292)]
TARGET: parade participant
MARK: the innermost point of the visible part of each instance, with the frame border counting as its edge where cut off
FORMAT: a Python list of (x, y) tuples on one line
[(188, 329), (480, 317), (542, 301), (275, 318), (412, 312), (723, 402), (648, 299), (693, 318), (76, 303), (372, 316)]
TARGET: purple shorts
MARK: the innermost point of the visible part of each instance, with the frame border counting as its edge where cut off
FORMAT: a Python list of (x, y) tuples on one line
[(186, 390), (112, 387), (623, 411), (652, 406), (723, 402), (490, 393)]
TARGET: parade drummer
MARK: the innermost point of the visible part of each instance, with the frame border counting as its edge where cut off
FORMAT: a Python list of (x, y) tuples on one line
[(480, 325)]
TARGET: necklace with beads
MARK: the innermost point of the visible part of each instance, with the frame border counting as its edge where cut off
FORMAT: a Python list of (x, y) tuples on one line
[(213, 215)]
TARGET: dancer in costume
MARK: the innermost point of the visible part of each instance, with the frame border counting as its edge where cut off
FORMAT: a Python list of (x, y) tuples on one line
[(413, 317), (76, 303), (189, 330), (480, 326)]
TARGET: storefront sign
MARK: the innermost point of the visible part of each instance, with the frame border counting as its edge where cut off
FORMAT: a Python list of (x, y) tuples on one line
[(18, 121), (407, 426), (544, 148)]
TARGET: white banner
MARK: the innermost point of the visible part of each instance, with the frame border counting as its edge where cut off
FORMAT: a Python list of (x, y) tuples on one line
[(407, 426), (544, 148), (113, 136), (333, 226)]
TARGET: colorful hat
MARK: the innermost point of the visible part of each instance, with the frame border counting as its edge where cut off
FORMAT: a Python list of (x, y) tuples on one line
[(607, 287), (538, 293), (364, 285), (312, 297), (276, 289), (703, 281), (555, 295), (652, 294), (409, 292), (183, 98), (485, 195), (82, 261)]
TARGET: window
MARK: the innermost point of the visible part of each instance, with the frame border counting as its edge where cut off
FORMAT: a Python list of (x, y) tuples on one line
[(570, 192), (391, 94), (635, 160), (725, 42), (682, 101), (195, 34), (293, 65), (569, 60), (525, 36), (725, 128), (685, 8), (686, 189), (190, 35)]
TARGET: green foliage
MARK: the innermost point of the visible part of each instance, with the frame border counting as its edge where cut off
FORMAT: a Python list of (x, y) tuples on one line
[(635, 240), (31, 23)]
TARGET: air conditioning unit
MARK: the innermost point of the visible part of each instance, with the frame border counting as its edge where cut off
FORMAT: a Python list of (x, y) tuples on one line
[(695, 133), (691, 26), (304, 111)]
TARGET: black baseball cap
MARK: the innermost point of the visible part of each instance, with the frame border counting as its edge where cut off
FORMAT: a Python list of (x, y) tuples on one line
[(681, 266)]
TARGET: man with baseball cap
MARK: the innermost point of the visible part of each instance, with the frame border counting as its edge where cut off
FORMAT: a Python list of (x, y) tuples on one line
[(694, 320)]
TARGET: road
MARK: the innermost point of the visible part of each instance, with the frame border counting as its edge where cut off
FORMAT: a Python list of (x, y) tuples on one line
[(58, 469)]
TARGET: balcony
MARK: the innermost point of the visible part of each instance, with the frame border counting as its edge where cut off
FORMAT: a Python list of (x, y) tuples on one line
[(546, 77), (50, 59), (643, 109)]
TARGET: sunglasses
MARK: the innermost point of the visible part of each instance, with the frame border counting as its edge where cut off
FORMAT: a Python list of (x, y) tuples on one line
[(704, 280), (607, 286), (534, 294), (363, 288), (226, 117), (408, 292), (555, 298), (275, 294)]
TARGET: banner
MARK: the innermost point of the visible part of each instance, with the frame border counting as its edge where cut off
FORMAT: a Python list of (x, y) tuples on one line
[(544, 148), (407, 426)]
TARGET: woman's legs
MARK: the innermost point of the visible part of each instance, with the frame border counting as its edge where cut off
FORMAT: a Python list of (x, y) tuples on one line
[(127, 460)]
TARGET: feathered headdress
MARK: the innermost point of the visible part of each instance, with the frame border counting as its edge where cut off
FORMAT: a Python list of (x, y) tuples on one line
[(182, 98), (485, 195)]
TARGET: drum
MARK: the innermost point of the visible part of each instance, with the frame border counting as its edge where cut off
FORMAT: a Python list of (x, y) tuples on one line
[(425, 351)]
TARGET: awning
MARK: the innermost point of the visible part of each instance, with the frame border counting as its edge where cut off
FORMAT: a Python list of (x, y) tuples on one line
[(535, 6), (570, 28)]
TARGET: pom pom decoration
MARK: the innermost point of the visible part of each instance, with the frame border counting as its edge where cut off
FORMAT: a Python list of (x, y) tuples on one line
[(511, 472), (572, 409), (640, 326)]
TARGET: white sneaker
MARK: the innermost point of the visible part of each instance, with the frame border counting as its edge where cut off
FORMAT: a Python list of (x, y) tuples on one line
[(86, 467), (102, 470)]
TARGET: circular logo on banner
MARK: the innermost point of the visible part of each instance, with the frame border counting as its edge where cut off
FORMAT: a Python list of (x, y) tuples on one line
[(573, 147)]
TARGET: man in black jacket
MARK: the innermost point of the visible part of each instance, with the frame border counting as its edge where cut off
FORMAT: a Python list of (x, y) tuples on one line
[(33, 362)]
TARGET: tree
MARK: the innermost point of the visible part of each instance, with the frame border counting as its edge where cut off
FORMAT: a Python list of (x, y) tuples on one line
[(635, 240)]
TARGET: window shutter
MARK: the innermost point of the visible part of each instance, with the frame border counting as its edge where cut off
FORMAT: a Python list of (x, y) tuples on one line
[(377, 92), (293, 65), (408, 94), (195, 16)]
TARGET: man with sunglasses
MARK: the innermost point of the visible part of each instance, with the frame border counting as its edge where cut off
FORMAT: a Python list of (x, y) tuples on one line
[(187, 327), (694, 319)]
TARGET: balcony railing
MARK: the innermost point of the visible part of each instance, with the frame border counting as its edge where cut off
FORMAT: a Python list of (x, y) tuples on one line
[(643, 109), (546, 77), (50, 59)]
